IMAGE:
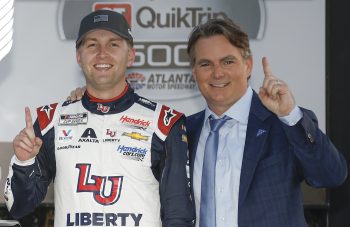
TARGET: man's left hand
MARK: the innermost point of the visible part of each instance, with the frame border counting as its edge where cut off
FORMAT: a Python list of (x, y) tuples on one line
[(274, 93)]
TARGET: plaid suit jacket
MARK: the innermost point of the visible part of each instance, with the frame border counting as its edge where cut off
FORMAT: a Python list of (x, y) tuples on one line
[(276, 159)]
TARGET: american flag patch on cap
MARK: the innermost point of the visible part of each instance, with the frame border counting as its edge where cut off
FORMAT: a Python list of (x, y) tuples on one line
[(99, 18)]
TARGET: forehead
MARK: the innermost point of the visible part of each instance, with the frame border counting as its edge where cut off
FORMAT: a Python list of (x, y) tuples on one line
[(216, 46), (101, 34)]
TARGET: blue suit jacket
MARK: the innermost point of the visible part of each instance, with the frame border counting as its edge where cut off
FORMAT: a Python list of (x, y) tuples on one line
[(276, 159)]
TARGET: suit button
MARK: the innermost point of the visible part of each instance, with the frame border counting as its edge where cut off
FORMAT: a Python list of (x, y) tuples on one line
[(311, 138)]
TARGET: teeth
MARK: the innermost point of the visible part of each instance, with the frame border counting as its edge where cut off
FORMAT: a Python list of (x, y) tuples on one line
[(218, 85), (105, 66)]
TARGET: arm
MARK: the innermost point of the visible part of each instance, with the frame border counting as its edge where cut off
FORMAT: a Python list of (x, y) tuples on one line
[(319, 160), (177, 206), (30, 170)]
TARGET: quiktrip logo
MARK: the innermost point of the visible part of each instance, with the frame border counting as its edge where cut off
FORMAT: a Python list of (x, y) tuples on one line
[(161, 70), (6, 27), (97, 184)]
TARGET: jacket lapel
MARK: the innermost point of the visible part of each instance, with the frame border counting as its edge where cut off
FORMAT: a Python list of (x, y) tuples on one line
[(257, 132), (194, 124)]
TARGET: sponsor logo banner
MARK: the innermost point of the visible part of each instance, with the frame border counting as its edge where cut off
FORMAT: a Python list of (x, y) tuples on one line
[(73, 119), (160, 30)]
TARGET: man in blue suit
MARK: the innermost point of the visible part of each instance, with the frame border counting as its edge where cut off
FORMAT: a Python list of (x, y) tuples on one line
[(266, 148)]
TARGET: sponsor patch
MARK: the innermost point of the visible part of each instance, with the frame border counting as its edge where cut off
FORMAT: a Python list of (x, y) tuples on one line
[(73, 119), (102, 108), (45, 115), (111, 136), (96, 185), (103, 219), (89, 136), (135, 136), (68, 147), (65, 135), (135, 122), (167, 119), (133, 153)]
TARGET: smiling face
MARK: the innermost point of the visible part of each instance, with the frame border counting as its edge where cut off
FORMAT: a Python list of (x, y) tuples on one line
[(104, 57), (220, 71)]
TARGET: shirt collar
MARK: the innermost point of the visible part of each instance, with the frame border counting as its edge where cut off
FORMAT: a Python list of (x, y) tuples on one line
[(239, 110)]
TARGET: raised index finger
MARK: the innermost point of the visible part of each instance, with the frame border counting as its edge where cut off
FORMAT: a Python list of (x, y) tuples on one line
[(266, 67), (28, 117)]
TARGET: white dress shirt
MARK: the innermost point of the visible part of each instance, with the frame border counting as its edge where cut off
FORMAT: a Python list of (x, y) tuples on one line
[(232, 137)]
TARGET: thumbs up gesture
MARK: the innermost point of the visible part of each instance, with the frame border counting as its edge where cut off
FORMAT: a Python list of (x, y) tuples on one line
[(26, 144)]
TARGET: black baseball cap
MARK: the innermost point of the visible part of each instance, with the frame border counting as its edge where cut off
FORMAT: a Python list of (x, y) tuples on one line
[(104, 19)]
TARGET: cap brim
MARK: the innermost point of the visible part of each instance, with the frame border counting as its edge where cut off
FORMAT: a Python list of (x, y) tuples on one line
[(78, 42)]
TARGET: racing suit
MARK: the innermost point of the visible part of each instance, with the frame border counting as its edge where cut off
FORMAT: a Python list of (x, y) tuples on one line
[(120, 162)]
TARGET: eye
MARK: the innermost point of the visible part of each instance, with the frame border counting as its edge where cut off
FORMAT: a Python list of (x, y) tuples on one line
[(204, 64), (114, 44), (228, 62)]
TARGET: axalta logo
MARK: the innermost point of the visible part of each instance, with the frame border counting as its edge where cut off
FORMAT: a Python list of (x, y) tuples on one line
[(6, 27), (89, 136), (98, 184)]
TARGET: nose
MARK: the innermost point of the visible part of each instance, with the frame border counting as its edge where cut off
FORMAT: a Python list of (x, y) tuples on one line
[(102, 52), (218, 71)]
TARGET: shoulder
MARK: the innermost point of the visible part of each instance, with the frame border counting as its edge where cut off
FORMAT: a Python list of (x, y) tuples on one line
[(47, 113), (145, 102), (194, 120), (166, 119)]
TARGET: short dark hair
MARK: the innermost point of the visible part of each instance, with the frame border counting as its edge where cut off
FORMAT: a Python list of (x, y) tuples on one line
[(225, 27)]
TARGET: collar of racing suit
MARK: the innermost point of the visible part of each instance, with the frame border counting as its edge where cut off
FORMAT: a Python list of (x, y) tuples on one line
[(112, 106)]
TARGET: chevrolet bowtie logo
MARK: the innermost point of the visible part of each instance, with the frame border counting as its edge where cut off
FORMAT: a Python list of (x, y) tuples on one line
[(135, 136)]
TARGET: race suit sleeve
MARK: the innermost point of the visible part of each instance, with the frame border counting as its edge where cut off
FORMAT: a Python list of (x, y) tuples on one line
[(321, 164), (27, 183), (177, 207)]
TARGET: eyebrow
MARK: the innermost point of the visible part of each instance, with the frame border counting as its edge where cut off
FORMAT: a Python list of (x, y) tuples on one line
[(110, 40), (228, 57)]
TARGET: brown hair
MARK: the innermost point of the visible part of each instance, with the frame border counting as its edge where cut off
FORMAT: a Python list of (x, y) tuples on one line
[(226, 27)]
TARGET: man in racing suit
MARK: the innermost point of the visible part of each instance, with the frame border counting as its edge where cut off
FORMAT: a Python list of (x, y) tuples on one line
[(116, 160)]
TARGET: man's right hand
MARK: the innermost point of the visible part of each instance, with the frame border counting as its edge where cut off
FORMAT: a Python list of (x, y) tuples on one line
[(26, 144), (77, 94)]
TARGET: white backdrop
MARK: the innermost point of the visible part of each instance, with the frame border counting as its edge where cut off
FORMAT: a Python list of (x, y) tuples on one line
[(41, 68)]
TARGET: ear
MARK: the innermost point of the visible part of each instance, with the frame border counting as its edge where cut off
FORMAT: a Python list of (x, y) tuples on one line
[(78, 57), (249, 65), (194, 74), (131, 56)]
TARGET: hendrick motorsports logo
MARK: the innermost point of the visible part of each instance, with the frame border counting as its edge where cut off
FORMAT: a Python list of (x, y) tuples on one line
[(6, 27), (160, 29)]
